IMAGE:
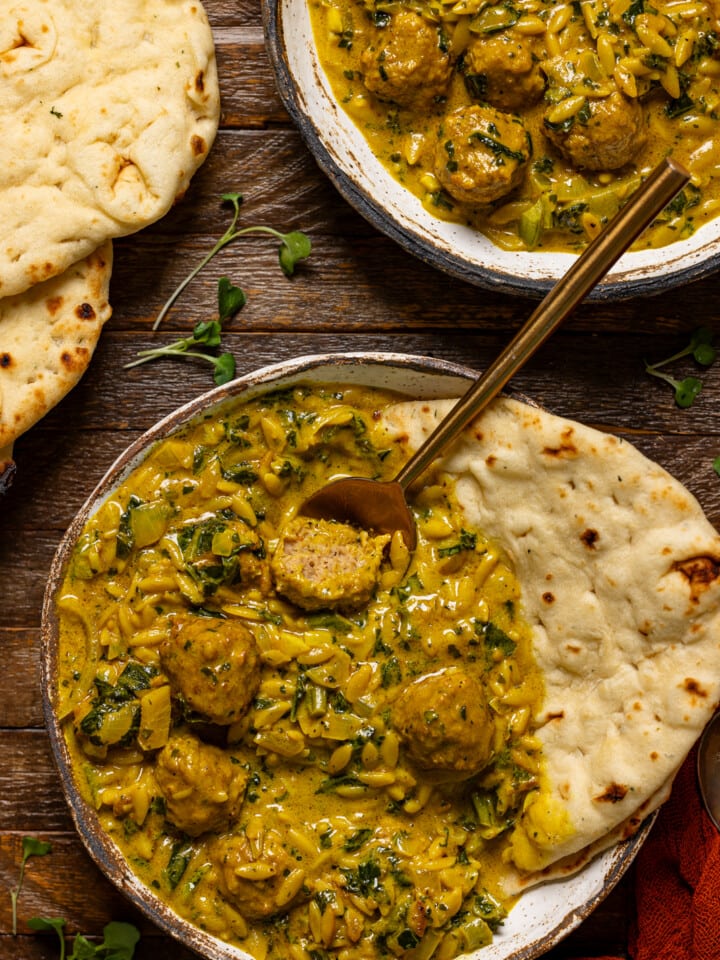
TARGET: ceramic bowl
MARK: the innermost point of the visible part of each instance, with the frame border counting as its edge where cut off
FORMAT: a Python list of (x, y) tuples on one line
[(343, 154), (544, 914)]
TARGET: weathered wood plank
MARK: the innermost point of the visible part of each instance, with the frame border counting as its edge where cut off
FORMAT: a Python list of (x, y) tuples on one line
[(31, 797), (21, 706)]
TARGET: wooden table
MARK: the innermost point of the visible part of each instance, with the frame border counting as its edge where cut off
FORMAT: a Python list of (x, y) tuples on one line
[(358, 291)]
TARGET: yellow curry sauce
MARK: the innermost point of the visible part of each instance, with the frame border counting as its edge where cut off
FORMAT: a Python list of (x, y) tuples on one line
[(288, 780), (532, 120)]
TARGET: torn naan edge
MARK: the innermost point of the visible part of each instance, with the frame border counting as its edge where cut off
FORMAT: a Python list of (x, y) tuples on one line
[(47, 337), (107, 111), (620, 573)]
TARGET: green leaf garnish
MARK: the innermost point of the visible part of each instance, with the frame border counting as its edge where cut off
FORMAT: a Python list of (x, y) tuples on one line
[(686, 390), (48, 924), (30, 848), (701, 349), (224, 369), (231, 299), (294, 246), (206, 335), (118, 943)]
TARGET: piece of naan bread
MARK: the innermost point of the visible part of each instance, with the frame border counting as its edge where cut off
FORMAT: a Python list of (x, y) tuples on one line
[(620, 577), (107, 110), (47, 336)]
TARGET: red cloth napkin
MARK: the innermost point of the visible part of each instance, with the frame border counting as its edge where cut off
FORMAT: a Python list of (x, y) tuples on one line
[(677, 880)]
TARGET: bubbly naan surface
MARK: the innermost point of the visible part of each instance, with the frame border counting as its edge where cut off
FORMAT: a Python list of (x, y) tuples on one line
[(106, 110), (47, 337), (621, 587)]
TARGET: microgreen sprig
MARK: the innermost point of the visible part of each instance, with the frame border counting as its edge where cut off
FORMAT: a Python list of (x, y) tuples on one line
[(30, 848), (119, 939), (700, 347), (206, 335), (118, 943), (294, 246), (686, 390), (702, 351)]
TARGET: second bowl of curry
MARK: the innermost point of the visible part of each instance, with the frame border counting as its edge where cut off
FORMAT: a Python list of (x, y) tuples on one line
[(494, 141)]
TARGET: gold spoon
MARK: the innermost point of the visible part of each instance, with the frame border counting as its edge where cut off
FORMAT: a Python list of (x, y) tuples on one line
[(708, 769), (381, 507)]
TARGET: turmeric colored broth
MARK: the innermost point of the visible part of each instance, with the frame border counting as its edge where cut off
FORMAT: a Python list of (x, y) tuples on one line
[(308, 825), (663, 56)]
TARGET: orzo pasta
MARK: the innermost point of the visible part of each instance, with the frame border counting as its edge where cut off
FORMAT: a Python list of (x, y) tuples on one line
[(303, 781), (532, 120)]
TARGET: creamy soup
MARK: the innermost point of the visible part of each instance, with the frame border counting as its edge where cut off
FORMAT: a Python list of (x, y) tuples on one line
[(312, 777), (532, 120)]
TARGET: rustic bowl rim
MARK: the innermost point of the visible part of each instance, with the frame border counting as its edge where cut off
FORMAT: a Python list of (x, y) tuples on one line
[(609, 865)]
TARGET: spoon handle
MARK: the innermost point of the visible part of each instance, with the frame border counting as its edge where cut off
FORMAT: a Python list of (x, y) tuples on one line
[(647, 201)]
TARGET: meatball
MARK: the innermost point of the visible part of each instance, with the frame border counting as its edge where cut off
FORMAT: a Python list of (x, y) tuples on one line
[(605, 136), (258, 878), (503, 71), (406, 63), (213, 665), (203, 788), (445, 724), (481, 154), (322, 563)]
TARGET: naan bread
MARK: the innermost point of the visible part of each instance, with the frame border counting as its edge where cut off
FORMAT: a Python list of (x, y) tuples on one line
[(47, 337), (106, 111), (620, 572)]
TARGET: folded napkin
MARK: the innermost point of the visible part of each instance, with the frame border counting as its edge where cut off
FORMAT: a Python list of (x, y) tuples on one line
[(677, 880)]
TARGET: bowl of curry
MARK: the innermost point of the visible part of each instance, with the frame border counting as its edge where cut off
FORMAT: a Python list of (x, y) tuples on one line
[(494, 140), (257, 726)]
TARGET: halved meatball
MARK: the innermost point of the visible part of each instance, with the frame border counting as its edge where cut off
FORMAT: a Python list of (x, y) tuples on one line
[(481, 154), (503, 70), (203, 788), (213, 665), (406, 63), (259, 878), (445, 724), (605, 136), (324, 564)]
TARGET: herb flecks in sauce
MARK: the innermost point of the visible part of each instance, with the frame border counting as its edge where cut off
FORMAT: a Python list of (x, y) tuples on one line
[(287, 777), (604, 91)]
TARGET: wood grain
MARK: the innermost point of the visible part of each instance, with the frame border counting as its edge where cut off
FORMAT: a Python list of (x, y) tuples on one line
[(358, 291)]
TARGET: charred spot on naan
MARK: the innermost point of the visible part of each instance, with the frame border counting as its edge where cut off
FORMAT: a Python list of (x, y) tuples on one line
[(198, 146), (613, 793), (590, 537), (85, 311), (566, 448), (701, 573), (697, 693)]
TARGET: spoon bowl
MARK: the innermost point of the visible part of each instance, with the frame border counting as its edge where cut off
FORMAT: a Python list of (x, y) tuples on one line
[(708, 768), (381, 507)]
